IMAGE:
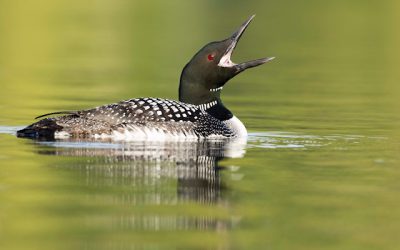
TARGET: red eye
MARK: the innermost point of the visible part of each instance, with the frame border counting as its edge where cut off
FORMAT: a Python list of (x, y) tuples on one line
[(210, 57)]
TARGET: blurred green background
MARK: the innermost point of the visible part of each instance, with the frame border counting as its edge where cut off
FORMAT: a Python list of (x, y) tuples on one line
[(335, 78)]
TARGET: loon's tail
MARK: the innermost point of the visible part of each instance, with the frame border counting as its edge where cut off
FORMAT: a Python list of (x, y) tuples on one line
[(42, 129)]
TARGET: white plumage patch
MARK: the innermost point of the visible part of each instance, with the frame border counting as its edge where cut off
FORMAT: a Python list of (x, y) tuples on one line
[(151, 133), (61, 135), (236, 126)]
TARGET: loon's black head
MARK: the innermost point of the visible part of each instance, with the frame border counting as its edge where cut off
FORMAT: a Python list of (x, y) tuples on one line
[(204, 76)]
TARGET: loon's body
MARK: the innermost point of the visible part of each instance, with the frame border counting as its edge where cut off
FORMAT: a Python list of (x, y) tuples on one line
[(199, 113), (140, 118)]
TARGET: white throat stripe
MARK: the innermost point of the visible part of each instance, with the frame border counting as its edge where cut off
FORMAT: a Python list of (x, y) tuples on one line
[(216, 89), (206, 106)]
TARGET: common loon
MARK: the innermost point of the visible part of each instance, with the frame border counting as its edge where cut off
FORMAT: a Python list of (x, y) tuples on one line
[(199, 113)]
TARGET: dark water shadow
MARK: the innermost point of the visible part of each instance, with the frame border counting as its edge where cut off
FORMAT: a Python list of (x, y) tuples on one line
[(193, 164)]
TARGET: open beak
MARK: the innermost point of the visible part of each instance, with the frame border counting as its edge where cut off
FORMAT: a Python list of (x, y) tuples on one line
[(226, 61)]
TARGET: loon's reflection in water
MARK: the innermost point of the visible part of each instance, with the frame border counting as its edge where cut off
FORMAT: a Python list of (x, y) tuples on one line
[(148, 174)]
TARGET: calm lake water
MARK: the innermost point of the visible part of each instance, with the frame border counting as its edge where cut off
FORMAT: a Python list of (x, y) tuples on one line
[(320, 169)]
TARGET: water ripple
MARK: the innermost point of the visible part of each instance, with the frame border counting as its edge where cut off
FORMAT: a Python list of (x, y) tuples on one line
[(265, 140), (278, 140)]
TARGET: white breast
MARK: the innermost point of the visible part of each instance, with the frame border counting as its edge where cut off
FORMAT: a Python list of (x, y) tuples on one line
[(237, 126)]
